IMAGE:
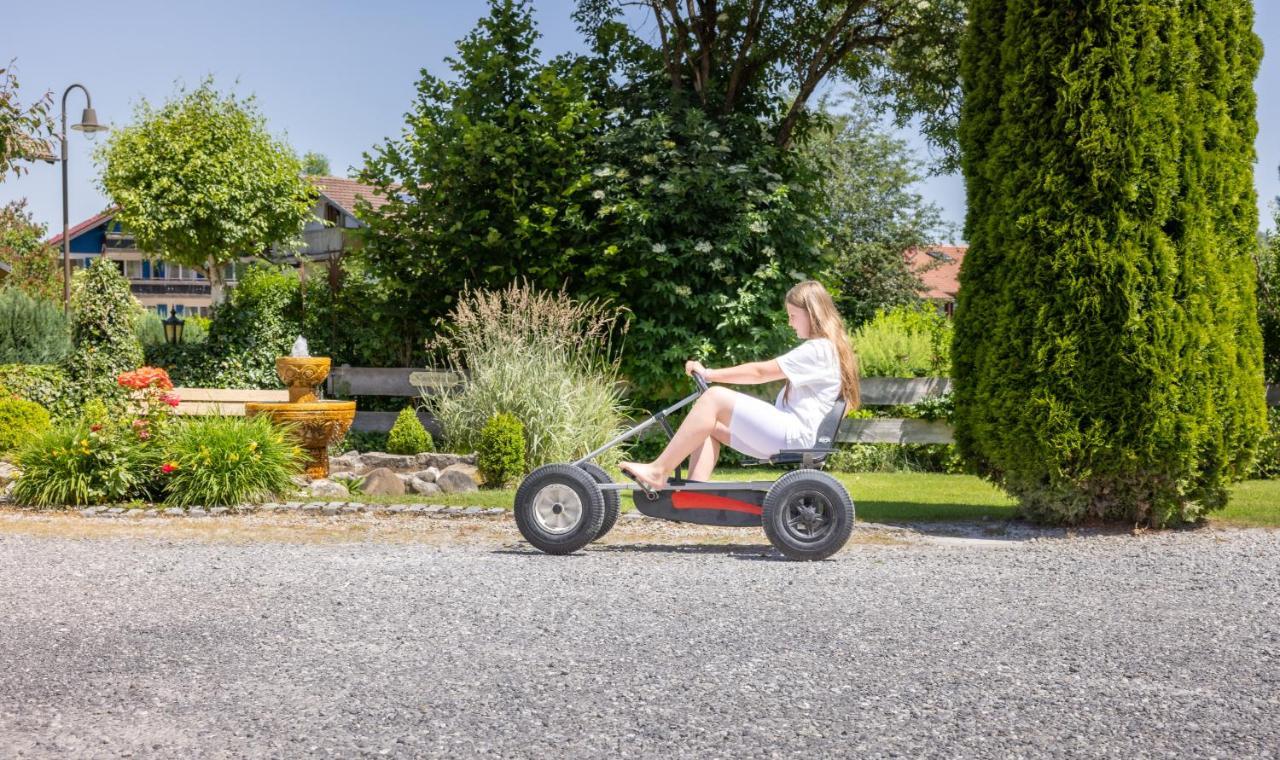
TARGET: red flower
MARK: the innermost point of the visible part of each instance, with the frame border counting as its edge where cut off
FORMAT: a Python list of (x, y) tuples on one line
[(167, 468), (140, 423), (143, 434), (171, 399), (95, 428), (145, 377)]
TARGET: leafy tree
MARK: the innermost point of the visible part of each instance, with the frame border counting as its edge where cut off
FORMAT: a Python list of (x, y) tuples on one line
[(33, 263), (870, 214), (727, 55), (489, 179), (32, 330), (202, 183), (1107, 356), (315, 164), (22, 128)]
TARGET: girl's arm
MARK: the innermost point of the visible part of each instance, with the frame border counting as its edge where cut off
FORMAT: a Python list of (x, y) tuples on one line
[(751, 373)]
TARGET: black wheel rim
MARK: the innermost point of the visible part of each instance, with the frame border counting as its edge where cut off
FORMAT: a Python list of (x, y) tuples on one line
[(809, 517)]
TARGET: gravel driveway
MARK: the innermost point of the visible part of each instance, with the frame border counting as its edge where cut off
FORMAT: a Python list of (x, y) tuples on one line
[(156, 644)]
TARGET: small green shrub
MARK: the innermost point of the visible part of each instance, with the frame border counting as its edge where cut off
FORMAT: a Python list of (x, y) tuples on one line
[(407, 435), (1266, 465), (19, 420), (46, 385), (77, 463), (501, 455), (32, 331), (225, 461), (905, 341)]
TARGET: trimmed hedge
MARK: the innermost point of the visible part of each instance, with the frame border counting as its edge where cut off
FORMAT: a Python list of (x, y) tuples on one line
[(1107, 357), (501, 455), (407, 435), (19, 420)]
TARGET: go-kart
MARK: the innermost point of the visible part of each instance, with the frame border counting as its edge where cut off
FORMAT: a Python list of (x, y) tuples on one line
[(806, 513)]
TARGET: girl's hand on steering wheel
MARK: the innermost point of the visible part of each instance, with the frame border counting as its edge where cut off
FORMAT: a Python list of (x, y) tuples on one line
[(694, 366)]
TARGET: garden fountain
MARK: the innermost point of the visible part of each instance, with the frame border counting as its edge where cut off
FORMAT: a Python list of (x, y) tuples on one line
[(316, 423)]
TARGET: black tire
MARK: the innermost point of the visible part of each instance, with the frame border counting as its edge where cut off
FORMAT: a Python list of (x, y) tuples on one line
[(612, 501), (808, 515), (559, 508)]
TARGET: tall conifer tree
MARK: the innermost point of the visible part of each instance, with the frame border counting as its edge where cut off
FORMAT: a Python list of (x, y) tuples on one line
[(1107, 355)]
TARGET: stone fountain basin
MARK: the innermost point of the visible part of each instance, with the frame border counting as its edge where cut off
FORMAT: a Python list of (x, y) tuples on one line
[(315, 423)]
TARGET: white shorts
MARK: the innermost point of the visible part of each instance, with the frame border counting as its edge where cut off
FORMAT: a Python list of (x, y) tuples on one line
[(758, 428)]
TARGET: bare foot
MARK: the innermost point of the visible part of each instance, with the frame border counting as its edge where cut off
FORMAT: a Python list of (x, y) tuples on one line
[(648, 474)]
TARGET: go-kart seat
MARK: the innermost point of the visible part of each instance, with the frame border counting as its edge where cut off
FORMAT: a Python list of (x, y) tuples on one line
[(823, 447)]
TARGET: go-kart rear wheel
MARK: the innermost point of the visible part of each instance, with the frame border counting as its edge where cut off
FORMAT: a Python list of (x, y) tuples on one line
[(808, 515), (612, 502), (559, 508)]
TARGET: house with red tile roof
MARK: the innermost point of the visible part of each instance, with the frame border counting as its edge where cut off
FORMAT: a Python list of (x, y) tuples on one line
[(163, 286), (938, 267)]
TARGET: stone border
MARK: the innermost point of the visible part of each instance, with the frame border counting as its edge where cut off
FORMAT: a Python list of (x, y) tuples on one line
[(312, 508)]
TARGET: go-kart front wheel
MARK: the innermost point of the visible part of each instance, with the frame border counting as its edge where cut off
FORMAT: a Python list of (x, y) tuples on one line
[(559, 508), (612, 502), (808, 515)]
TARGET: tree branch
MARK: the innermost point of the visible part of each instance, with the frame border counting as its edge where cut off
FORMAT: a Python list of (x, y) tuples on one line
[(736, 77)]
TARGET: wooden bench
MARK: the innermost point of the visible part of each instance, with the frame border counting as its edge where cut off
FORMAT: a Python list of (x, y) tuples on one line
[(229, 402)]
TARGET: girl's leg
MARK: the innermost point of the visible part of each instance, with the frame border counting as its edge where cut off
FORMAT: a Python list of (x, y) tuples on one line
[(703, 460), (714, 406)]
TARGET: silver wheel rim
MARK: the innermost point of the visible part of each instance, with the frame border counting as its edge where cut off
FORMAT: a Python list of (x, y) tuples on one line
[(557, 508)]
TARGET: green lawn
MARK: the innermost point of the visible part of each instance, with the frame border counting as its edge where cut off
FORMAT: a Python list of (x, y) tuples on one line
[(918, 497)]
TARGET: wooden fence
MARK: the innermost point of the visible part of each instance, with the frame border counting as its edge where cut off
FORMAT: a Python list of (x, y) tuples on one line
[(411, 383)]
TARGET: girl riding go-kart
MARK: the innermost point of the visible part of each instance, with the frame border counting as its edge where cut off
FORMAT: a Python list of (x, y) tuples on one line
[(806, 514)]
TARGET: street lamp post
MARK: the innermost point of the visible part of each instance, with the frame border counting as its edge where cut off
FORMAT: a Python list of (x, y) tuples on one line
[(88, 124)]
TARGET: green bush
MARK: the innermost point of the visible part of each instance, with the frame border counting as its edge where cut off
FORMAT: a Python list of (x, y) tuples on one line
[(407, 435), (151, 330), (540, 357), (1266, 465), (501, 454), (905, 341), (256, 324), (1108, 361), (19, 420), (32, 331), (74, 464), (104, 315), (361, 440), (46, 385), (225, 461)]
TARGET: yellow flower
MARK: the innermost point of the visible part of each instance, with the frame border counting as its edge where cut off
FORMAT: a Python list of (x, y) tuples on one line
[(84, 441), (207, 461), (253, 445), (233, 457)]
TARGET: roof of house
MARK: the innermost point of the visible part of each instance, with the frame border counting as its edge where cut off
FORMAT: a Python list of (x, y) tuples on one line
[(344, 192), (939, 269), (34, 148), (87, 224)]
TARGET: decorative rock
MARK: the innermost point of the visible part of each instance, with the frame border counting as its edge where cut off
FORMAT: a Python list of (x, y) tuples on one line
[(176, 512), (300, 481), (90, 512), (8, 473), (441, 461), (197, 512), (397, 509), (312, 507), (135, 512), (495, 511), (381, 482), (349, 508), (350, 461), (473, 511), (423, 487), (331, 509), (377, 459), (151, 513), (344, 475), (325, 487), (430, 474), (218, 511), (458, 478)]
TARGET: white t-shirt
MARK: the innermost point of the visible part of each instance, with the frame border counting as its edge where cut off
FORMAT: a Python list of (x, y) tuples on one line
[(813, 370)]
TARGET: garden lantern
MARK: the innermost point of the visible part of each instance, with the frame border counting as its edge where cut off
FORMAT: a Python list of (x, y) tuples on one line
[(173, 328)]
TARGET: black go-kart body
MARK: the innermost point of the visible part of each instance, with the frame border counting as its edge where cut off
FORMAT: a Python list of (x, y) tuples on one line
[(806, 513)]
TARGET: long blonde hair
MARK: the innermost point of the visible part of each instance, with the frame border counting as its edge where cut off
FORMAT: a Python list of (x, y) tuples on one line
[(825, 322)]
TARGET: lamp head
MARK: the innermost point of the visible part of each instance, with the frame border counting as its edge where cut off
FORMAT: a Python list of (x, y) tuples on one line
[(89, 123)]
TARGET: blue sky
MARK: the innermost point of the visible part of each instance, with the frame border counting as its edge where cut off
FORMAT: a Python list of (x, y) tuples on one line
[(333, 77)]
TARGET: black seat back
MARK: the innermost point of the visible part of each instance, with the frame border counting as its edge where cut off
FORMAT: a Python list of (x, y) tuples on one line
[(830, 426)]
